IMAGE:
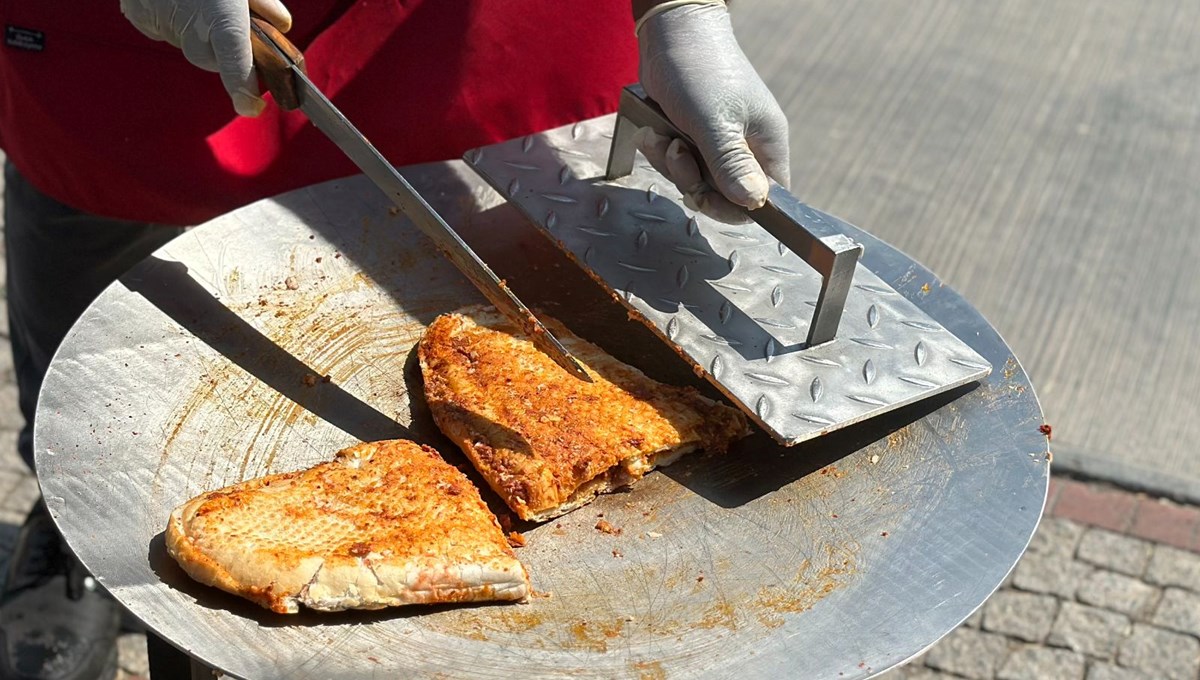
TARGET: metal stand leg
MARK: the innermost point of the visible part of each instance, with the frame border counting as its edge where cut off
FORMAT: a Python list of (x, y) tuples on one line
[(168, 663)]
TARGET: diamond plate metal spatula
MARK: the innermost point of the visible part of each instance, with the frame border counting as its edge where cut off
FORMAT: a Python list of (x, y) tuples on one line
[(777, 314)]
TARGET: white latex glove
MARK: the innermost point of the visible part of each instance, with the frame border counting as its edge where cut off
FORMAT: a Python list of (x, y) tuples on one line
[(214, 35), (694, 68)]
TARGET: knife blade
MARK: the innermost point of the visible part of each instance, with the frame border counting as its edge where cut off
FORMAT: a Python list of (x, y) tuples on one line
[(281, 66)]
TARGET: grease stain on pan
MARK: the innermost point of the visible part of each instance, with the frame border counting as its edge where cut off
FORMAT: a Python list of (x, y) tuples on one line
[(649, 670), (723, 614), (595, 635), (334, 329), (202, 394), (810, 585)]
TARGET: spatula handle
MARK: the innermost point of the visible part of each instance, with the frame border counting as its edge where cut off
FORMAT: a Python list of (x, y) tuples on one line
[(274, 57), (833, 254)]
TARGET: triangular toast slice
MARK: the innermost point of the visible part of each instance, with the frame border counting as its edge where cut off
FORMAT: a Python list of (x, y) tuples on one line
[(385, 523), (545, 441)]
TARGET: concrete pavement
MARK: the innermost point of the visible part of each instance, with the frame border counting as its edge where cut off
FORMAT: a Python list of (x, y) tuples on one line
[(1042, 157)]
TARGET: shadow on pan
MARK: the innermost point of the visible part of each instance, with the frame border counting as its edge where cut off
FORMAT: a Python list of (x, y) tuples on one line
[(167, 286), (757, 465)]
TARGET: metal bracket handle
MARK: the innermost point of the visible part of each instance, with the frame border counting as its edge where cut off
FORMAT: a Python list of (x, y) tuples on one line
[(833, 254)]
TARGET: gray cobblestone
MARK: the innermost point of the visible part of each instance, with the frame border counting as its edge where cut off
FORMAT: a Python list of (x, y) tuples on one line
[(131, 650), (1025, 616), (1119, 593), (9, 479), (7, 375), (20, 501), (1174, 567), (1033, 662), (1056, 536), (10, 411), (1090, 630), (1161, 653), (8, 440), (1100, 670), (974, 619), (1048, 573), (970, 653), (1115, 552), (1179, 610)]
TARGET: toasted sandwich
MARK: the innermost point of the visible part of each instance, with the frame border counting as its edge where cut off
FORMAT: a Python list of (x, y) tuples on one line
[(385, 523), (545, 441)]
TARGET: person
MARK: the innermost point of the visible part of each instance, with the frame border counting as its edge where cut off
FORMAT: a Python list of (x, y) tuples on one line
[(115, 143)]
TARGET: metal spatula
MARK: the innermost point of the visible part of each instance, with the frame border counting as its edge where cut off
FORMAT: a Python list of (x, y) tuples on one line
[(777, 314)]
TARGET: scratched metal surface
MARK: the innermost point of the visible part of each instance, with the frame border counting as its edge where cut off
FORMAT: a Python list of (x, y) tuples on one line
[(839, 557), (734, 300)]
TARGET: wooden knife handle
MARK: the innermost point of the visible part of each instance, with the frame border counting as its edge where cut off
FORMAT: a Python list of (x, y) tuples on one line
[(266, 42)]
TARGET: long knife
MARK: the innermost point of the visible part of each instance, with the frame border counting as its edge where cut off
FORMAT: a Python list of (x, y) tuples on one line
[(281, 66)]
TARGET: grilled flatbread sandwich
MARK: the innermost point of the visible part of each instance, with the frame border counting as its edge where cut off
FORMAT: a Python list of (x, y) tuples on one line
[(385, 523), (545, 441)]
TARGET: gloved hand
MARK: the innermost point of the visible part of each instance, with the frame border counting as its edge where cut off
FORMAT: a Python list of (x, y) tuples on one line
[(692, 65), (214, 35)]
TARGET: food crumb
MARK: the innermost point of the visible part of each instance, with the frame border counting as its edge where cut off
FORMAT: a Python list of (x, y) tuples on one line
[(311, 237), (319, 260), (262, 302), (874, 459), (309, 380), (617, 553), (925, 289), (291, 283), (1047, 430), (393, 211), (506, 520), (326, 378), (369, 658), (883, 533), (653, 534), (700, 578), (337, 256), (516, 540), (604, 526)]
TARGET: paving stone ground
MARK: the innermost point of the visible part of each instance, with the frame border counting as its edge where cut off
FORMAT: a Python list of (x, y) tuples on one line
[(1108, 590), (1084, 603)]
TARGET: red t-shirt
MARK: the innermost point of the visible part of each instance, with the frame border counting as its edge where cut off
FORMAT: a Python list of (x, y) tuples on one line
[(100, 117)]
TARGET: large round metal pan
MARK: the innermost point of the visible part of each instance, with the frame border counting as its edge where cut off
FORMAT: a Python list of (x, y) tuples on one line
[(203, 366)]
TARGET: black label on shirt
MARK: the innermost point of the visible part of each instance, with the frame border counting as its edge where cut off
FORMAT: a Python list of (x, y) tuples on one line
[(24, 38)]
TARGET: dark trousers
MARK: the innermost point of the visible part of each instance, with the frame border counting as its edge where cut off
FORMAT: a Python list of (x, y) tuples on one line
[(59, 260)]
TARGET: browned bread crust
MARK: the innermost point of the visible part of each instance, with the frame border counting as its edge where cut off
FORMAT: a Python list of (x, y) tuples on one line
[(385, 523), (545, 441)]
